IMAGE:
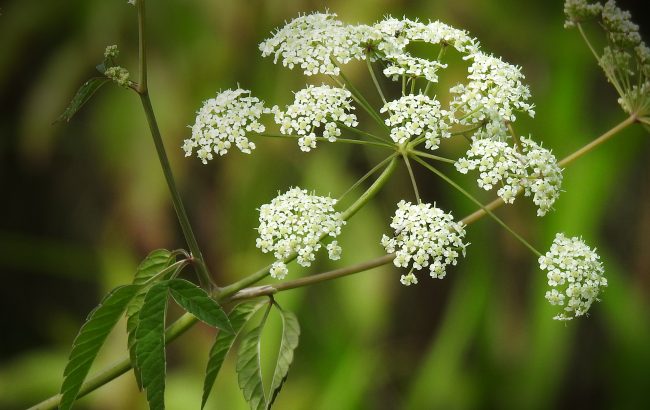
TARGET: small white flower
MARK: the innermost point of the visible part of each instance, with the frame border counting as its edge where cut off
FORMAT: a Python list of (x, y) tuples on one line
[(575, 275), (278, 270), (223, 121), (534, 169), (317, 110), (334, 250), (417, 115), (404, 64), (424, 236), (408, 280), (295, 223)]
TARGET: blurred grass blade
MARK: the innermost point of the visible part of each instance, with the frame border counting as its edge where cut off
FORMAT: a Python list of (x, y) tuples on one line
[(249, 366), (85, 92), (150, 344), (153, 264), (197, 302), (238, 316), (290, 338), (90, 339)]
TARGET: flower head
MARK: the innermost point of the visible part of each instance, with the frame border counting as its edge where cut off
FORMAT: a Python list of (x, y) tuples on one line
[(224, 120), (494, 92), (533, 169), (118, 74), (417, 115), (575, 275), (317, 109), (297, 222), (314, 42), (424, 236)]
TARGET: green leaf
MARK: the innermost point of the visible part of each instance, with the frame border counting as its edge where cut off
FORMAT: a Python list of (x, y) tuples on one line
[(85, 92), (238, 316), (290, 337), (150, 344), (153, 264), (90, 339), (249, 367), (197, 302)]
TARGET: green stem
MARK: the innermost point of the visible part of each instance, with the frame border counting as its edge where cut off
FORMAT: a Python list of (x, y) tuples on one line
[(343, 140), (593, 144), (362, 100), (366, 176), (201, 269), (371, 191), (412, 176), (477, 202), (364, 133), (143, 91), (434, 157), (267, 290), (374, 80)]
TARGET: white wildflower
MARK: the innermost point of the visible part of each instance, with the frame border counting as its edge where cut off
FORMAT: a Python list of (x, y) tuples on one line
[(494, 92), (578, 11), (118, 74), (575, 275), (314, 42), (622, 31), (417, 115), (295, 223), (111, 51), (534, 169), (334, 250), (224, 120), (437, 32), (317, 109), (425, 236)]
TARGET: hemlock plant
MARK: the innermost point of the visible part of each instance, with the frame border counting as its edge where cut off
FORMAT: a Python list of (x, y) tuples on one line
[(299, 224)]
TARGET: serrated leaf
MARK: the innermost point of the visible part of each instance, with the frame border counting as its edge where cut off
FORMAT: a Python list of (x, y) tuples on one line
[(249, 367), (150, 344), (290, 338), (90, 339), (85, 92), (197, 302), (238, 316), (153, 264)]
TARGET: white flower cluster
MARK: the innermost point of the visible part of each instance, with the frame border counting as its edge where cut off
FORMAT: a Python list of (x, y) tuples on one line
[(494, 92), (626, 58), (118, 74), (111, 51), (575, 274), (416, 115), (622, 31), (534, 169), (314, 42), (578, 11), (424, 236), (413, 67), (296, 222), (225, 120), (313, 108)]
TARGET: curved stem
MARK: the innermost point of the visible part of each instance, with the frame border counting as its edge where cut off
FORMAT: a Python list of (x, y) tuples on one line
[(266, 290)]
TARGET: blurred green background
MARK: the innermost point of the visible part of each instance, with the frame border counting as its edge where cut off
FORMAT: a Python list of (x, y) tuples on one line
[(84, 202)]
